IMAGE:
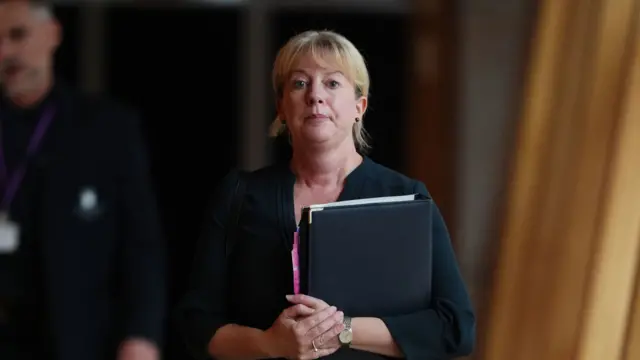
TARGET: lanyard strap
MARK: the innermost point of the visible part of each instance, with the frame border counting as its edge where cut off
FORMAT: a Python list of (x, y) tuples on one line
[(11, 183)]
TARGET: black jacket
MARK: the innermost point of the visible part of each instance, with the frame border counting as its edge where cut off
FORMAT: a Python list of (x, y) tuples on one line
[(102, 259)]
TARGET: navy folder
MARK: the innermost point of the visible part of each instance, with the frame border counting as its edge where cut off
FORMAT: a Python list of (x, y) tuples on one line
[(369, 257)]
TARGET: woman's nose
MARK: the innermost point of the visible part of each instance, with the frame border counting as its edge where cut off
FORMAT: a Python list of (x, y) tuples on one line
[(315, 95), (314, 100)]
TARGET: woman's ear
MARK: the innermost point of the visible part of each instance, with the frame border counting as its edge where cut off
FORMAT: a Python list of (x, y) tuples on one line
[(361, 106)]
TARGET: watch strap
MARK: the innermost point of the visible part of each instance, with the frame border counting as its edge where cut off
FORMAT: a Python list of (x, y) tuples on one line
[(347, 323)]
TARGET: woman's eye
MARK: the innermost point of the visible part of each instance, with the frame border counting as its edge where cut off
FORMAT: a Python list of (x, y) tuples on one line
[(298, 84), (333, 84)]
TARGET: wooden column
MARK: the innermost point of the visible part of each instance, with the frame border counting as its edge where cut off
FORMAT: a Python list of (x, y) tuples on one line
[(632, 111), (632, 346), (430, 131), (569, 250), (255, 105), (92, 72)]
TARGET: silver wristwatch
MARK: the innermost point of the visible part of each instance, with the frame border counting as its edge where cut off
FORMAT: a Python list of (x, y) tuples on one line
[(346, 336)]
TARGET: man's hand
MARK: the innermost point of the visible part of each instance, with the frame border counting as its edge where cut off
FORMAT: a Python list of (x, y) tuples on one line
[(138, 349)]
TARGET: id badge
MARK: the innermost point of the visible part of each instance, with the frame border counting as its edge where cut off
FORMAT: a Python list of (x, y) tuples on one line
[(9, 235)]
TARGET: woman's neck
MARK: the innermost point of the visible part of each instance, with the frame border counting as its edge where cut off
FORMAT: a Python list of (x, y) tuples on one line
[(324, 168)]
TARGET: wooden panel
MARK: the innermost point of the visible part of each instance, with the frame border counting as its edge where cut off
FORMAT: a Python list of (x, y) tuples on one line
[(632, 113), (431, 133), (616, 259), (632, 346), (569, 245)]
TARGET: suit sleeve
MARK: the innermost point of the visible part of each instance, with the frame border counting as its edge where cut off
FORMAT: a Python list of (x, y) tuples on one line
[(447, 328), (143, 255), (202, 311)]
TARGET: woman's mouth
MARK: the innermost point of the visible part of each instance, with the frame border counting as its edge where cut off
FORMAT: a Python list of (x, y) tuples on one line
[(316, 117)]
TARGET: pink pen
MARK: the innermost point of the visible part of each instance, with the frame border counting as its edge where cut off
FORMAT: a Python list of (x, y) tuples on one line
[(296, 262)]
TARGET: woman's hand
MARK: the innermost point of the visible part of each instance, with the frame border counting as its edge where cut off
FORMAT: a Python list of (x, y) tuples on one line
[(299, 327), (327, 340)]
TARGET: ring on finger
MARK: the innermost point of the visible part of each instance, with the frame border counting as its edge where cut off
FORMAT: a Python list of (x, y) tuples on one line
[(315, 348)]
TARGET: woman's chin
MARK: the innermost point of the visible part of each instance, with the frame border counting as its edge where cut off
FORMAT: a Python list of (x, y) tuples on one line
[(318, 135)]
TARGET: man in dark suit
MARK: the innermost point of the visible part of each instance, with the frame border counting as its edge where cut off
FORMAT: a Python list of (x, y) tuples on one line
[(82, 263)]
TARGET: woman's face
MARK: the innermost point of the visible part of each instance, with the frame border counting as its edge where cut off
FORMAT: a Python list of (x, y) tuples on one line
[(319, 105)]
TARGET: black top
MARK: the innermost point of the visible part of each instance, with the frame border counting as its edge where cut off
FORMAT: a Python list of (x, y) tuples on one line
[(249, 287)]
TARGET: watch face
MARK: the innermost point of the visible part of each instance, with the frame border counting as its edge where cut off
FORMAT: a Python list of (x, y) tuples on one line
[(346, 337)]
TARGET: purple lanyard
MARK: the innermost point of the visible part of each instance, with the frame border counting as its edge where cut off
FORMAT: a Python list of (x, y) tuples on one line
[(12, 183)]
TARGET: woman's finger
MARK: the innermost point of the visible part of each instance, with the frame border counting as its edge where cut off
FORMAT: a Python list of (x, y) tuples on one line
[(303, 326), (325, 338), (325, 326), (307, 300), (318, 354), (297, 310)]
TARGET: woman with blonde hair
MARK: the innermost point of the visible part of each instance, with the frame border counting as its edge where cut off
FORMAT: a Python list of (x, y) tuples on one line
[(239, 305)]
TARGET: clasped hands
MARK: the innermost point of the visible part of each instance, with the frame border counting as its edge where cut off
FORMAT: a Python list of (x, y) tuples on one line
[(308, 329)]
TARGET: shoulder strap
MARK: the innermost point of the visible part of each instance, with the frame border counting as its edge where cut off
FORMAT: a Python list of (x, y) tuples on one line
[(236, 210)]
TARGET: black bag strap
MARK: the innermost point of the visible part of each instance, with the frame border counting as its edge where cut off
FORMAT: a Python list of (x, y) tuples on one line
[(236, 210)]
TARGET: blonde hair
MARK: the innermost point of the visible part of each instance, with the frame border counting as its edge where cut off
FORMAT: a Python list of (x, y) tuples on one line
[(323, 46)]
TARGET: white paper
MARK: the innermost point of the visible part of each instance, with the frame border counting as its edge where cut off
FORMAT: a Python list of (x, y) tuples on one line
[(375, 200)]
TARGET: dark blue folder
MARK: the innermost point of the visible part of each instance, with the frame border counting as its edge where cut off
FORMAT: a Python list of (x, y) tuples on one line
[(369, 258)]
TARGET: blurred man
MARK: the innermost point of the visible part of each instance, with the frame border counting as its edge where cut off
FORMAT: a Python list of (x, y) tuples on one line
[(81, 256)]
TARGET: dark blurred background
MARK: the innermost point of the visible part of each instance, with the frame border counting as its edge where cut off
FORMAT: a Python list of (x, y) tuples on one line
[(199, 74), (181, 68)]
